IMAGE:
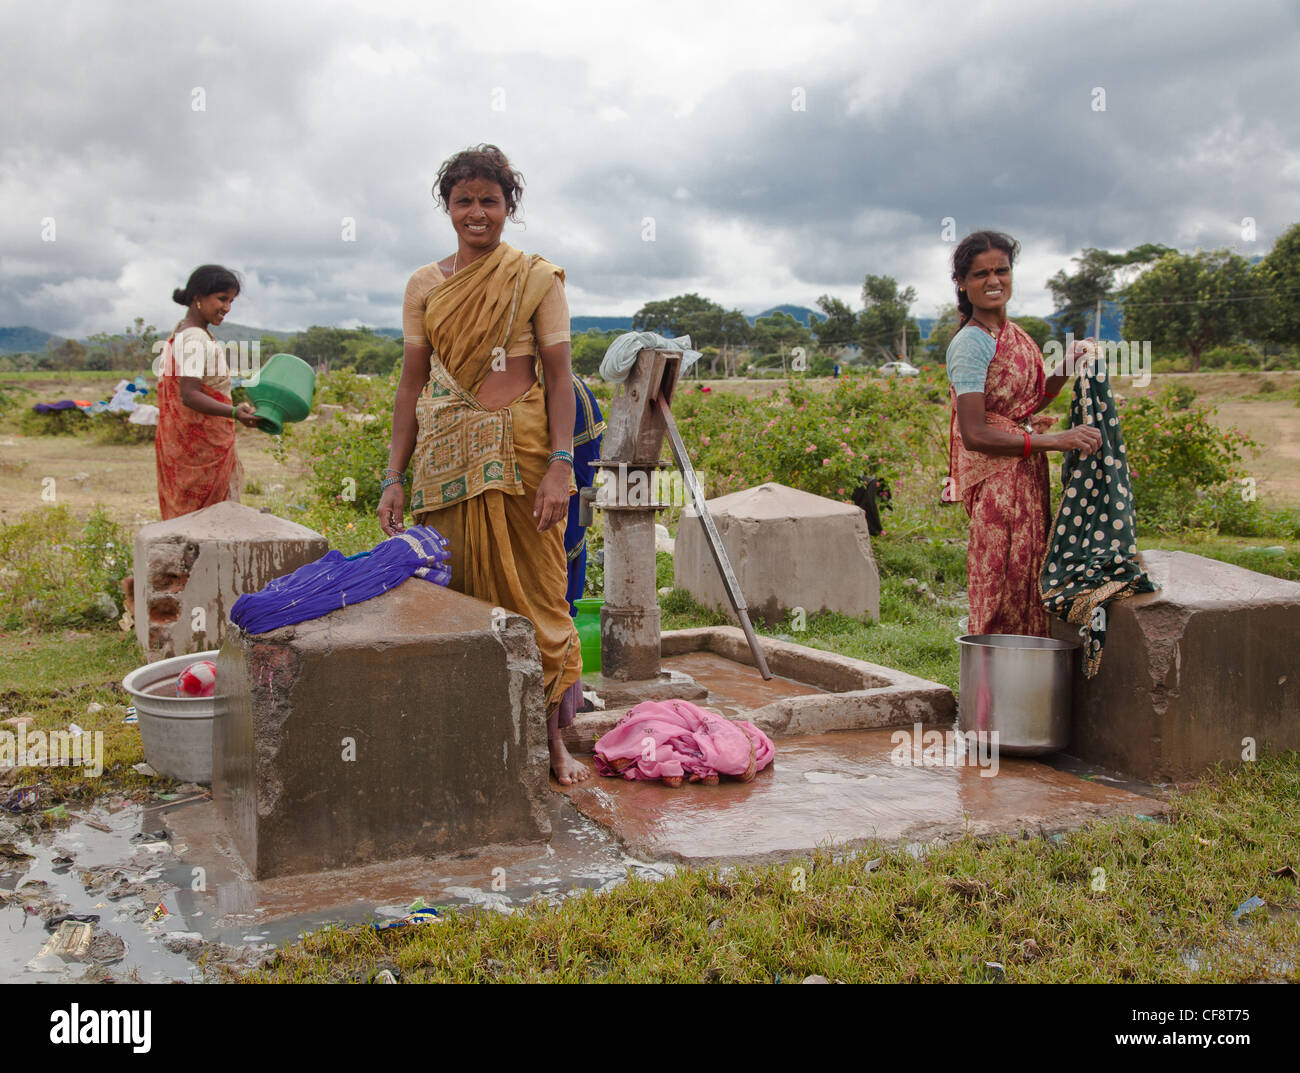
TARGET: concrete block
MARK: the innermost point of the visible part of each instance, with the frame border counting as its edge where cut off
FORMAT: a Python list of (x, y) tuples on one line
[(206, 560), (401, 726), (1191, 671), (788, 549)]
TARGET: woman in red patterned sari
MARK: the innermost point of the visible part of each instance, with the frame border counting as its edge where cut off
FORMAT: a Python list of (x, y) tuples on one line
[(998, 440), (195, 444)]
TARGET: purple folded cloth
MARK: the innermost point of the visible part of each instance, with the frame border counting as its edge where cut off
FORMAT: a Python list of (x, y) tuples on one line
[(54, 407), (333, 581)]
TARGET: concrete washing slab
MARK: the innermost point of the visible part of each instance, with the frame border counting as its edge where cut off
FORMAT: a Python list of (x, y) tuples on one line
[(1204, 671), (812, 691), (842, 776), (844, 790)]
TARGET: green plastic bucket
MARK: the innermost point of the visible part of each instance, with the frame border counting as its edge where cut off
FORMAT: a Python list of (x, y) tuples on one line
[(281, 392), (588, 624)]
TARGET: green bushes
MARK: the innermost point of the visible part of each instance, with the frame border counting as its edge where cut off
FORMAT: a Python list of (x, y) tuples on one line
[(1187, 472), (343, 387), (1182, 464), (1236, 356), (348, 459), (105, 427), (55, 423), (347, 529), (57, 572), (820, 442), (117, 429)]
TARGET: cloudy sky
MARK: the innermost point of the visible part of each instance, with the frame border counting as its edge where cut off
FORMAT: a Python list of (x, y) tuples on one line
[(782, 149)]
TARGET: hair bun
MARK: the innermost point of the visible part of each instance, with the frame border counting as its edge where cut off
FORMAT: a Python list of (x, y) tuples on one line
[(178, 296)]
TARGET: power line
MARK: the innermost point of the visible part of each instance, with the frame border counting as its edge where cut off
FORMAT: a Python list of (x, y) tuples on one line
[(1210, 301)]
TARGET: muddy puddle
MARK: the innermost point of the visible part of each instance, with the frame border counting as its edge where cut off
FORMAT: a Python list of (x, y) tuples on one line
[(175, 908)]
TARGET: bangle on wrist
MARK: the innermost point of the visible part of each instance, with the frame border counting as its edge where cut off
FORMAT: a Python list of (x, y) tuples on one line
[(233, 410), (388, 482), (560, 456), (1028, 446)]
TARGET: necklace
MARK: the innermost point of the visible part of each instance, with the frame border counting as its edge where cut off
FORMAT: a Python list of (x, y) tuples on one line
[(455, 261), (985, 327)]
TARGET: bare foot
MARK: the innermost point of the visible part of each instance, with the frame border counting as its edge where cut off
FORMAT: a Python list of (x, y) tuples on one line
[(564, 767)]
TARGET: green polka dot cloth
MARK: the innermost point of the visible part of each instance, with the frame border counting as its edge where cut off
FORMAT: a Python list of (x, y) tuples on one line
[(1093, 559)]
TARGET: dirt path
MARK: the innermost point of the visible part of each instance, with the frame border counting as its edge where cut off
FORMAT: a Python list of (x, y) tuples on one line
[(121, 477), (1276, 425)]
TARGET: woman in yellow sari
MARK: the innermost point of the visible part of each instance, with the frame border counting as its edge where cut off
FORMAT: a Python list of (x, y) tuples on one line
[(492, 449)]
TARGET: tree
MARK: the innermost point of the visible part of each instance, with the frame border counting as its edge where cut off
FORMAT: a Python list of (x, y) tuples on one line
[(840, 326), (1076, 296), (371, 353), (884, 324), (319, 344), (66, 354), (1189, 301), (1036, 328), (779, 332), (706, 322), (588, 349), (139, 339), (1278, 275), (936, 345), (672, 316), (131, 350)]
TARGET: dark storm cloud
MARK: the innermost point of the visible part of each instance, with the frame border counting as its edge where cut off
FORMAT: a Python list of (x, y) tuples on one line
[(677, 165)]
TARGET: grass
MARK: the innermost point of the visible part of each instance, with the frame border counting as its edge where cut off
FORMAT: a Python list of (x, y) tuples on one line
[(1033, 905), (71, 377), (1277, 556), (88, 667)]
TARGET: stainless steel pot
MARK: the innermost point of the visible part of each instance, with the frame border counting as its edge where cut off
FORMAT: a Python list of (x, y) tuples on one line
[(1020, 687)]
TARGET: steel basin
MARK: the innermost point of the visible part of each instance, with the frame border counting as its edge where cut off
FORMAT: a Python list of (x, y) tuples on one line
[(176, 731), (1019, 687)]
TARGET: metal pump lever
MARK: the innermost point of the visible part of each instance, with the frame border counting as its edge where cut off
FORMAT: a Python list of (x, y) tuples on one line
[(711, 535)]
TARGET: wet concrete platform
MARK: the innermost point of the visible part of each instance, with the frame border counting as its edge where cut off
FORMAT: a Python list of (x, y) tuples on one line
[(846, 789), (735, 689)]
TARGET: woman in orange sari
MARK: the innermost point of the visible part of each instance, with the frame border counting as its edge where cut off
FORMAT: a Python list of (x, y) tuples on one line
[(195, 442), (490, 441), (996, 464)]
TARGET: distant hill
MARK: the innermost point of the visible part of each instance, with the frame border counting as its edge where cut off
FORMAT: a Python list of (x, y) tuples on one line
[(1112, 321), (19, 340), (802, 314), (23, 340), (578, 325), (231, 331)]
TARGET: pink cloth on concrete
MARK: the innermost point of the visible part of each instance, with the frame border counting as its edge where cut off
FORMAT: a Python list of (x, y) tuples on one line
[(673, 739)]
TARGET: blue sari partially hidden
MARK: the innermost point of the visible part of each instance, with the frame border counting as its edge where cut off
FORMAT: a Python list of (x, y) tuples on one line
[(335, 581), (588, 428)]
